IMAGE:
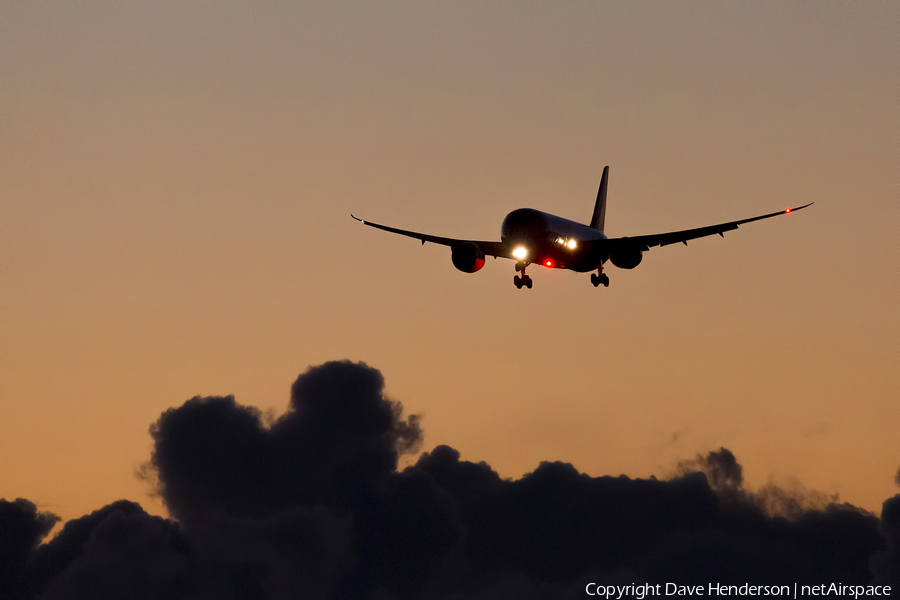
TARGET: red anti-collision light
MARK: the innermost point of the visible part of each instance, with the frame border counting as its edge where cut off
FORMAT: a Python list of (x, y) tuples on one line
[(549, 263)]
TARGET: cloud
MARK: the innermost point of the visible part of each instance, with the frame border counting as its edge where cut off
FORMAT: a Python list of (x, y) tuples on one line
[(311, 504), (339, 440), (22, 528), (294, 552), (116, 552), (721, 468), (886, 564)]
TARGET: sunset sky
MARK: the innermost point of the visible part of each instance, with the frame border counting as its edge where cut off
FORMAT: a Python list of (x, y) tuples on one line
[(177, 178)]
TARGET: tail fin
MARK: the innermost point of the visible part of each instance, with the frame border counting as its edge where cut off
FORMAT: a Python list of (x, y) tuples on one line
[(598, 221)]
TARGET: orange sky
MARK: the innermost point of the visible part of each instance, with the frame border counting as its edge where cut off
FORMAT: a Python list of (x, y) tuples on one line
[(175, 188)]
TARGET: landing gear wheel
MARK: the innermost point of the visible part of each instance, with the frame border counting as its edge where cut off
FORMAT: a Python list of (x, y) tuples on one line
[(597, 279), (523, 280)]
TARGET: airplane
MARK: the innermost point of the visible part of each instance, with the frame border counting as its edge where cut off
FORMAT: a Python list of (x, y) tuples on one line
[(530, 236)]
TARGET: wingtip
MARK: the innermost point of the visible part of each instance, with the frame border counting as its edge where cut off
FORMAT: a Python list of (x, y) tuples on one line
[(357, 218), (790, 210)]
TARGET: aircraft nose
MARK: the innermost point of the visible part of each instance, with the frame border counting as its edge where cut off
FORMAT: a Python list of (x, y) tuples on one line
[(519, 224)]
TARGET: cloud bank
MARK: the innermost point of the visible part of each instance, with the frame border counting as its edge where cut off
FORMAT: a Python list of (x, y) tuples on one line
[(312, 505)]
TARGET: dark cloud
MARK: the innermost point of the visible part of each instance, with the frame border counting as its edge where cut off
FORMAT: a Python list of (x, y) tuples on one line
[(725, 476), (22, 528), (117, 552), (339, 441), (886, 564), (311, 504), (721, 468), (292, 553)]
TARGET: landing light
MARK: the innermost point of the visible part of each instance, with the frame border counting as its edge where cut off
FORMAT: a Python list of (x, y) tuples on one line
[(520, 252), (571, 244)]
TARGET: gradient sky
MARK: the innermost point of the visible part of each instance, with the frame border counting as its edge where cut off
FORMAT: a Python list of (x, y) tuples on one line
[(176, 180)]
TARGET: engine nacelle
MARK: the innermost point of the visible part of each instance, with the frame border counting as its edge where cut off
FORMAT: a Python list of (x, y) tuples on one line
[(626, 254), (467, 257)]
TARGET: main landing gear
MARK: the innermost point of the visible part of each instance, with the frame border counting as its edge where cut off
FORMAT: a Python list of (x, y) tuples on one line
[(600, 277), (524, 279)]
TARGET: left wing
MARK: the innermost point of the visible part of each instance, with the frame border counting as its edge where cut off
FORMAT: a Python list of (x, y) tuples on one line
[(494, 249), (664, 239)]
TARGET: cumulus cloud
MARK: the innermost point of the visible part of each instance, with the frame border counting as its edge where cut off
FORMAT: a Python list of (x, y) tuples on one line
[(116, 552), (311, 504), (886, 564), (338, 442), (22, 528)]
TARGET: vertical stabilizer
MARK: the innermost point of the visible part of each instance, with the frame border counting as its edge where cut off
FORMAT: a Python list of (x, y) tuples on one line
[(598, 221)]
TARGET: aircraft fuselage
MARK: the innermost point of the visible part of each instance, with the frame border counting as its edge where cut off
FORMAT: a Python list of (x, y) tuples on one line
[(551, 241)]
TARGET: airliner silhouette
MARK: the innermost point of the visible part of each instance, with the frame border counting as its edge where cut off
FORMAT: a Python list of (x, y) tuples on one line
[(530, 236)]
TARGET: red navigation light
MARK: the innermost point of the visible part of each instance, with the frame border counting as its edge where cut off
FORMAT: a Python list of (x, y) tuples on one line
[(549, 263)]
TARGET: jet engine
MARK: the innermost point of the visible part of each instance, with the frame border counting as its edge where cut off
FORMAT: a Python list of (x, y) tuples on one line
[(626, 254), (467, 257)]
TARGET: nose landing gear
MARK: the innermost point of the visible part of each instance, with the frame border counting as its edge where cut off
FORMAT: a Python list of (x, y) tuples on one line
[(524, 279)]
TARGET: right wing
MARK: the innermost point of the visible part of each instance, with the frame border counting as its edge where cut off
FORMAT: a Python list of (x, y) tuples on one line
[(494, 249), (664, 239)]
